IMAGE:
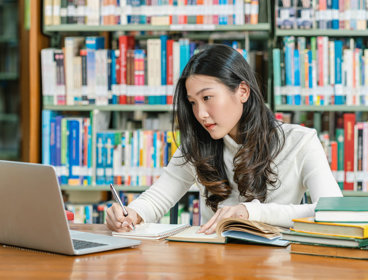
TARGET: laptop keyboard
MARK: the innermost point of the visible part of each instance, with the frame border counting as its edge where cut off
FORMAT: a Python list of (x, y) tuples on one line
[(82, 244)]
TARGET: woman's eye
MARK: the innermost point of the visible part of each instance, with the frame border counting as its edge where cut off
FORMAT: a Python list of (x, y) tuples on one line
[(205, 98)]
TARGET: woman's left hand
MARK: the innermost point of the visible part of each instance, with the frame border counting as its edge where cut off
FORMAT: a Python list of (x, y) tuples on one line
[(237, 211)]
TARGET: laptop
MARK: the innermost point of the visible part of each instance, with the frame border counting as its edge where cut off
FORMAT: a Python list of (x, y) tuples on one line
[(32, 214)]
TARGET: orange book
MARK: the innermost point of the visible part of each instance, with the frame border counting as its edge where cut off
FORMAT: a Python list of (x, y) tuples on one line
[(349, 122)]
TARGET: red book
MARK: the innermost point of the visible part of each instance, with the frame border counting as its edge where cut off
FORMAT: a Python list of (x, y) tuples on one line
[(169, 69), (349, 122), (125, 43), (69, 215)]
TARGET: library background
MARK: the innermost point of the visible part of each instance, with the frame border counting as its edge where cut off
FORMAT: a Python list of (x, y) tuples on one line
[(87, 85)]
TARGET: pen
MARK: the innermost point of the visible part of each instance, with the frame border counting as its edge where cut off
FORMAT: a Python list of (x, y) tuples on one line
[(117, 199)]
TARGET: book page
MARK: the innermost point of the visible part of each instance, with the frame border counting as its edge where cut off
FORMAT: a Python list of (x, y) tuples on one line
[(190, 235), (152, 230)]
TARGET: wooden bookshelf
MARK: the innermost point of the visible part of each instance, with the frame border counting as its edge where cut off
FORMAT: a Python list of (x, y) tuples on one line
[(322, 108), (321, 32), (121, 108)]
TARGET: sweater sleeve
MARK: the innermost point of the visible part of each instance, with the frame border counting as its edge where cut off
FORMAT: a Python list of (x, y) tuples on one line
[(315, 175), (175, 181)]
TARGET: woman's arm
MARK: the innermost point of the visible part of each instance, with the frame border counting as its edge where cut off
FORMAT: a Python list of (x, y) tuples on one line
[(166, 191), (315, 174)]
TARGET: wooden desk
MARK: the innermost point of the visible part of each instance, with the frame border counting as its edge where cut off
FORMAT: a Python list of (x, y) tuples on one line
[(175, 260)]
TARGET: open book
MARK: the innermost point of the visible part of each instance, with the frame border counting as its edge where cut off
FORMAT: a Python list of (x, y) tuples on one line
[(152, 231), (250, 231)]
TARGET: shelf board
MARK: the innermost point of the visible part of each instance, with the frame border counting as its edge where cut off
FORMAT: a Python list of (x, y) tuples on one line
[(149, 27), (11, 40), (8, 117), (107, 188), (8, 76), (331, 108), (354, 193), (9, 154), (104, 188), (112, 107), (321, 32)]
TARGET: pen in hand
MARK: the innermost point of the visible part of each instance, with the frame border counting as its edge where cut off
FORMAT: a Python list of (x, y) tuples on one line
[(118, 200)]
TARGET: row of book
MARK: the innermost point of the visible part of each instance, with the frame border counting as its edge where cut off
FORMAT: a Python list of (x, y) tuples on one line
[(133, 158), (95, 213), (321, 14), (319, 71), (338, 229), (165, 12), (346, 148), (85, 155), (84, 72)]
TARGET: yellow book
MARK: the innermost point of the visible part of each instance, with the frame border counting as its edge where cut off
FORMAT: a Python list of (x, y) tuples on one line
[(308, 225)]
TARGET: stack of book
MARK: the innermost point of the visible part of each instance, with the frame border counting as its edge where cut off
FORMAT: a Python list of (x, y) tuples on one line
[(339, 229)]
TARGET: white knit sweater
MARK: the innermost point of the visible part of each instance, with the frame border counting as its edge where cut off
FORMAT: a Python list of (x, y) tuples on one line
[(301, 165)]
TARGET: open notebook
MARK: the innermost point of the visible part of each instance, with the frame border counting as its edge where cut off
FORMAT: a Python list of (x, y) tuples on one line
[(152, 231)]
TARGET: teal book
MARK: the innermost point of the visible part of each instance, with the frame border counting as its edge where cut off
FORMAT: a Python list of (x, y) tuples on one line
[(323, 239), (342, 209)]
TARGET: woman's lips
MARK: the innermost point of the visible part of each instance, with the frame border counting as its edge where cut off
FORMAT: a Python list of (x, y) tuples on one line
[(210, 126)]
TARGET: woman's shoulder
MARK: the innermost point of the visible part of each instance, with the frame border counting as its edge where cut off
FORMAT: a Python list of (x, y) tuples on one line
[(297, 131)]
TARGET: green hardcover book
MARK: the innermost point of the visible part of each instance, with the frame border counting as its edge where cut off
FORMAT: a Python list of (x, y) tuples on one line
[(342, 209), (340, 157), (323, 239)]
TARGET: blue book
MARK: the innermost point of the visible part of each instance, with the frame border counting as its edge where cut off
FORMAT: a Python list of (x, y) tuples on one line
[(74, 150), (53, 141), (47, 115), (310, 80), (277, 75), (100, 158), (338, 72), (335, 11), (297, 96), (58, 120), (109, 140), (163, 39)]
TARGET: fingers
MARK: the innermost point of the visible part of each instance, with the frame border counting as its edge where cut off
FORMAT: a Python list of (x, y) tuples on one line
[(239, 211), (115, 219), (204, 228)]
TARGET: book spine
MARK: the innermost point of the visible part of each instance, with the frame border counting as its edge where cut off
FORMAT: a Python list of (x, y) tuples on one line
[(349, 122)]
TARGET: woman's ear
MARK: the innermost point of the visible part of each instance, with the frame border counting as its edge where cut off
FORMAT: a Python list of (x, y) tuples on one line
[(244, 92)]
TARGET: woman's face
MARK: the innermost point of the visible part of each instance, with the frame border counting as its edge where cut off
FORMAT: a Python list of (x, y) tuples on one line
[(215, 107)]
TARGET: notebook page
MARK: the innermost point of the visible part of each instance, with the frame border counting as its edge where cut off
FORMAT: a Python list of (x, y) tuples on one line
[(152, 230)]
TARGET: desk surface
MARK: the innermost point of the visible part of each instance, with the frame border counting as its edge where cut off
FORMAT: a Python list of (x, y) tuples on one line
[(175, 260)]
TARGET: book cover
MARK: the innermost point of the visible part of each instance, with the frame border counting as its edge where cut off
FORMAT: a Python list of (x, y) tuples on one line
[(319, 239), (342, 209), (235, 228), (308, 225), (330, 251), (349, 122)]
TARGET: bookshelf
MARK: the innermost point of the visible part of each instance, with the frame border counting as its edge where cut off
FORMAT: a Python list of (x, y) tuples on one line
[(245, 34), (323, 85), (9, 78)]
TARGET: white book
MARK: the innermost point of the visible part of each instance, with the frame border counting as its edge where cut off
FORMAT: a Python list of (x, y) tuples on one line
[(152, 231), (48, 73), (72, 47)]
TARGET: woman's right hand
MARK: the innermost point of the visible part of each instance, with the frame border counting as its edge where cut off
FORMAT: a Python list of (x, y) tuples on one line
[(116, 221)]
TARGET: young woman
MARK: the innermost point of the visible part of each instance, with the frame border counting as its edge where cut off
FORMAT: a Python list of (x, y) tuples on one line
[(245, 163)]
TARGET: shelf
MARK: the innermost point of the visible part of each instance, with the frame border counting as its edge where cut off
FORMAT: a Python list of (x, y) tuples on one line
[(8, 117), (321, 32), (354, 193), (149, 27), (331, 108), (107, 188), (4, 39), (122, 108), (104, 188), (8, 76), (9, 154)]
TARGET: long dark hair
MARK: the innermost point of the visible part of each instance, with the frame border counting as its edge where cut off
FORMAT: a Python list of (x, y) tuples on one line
[(259, 133)]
